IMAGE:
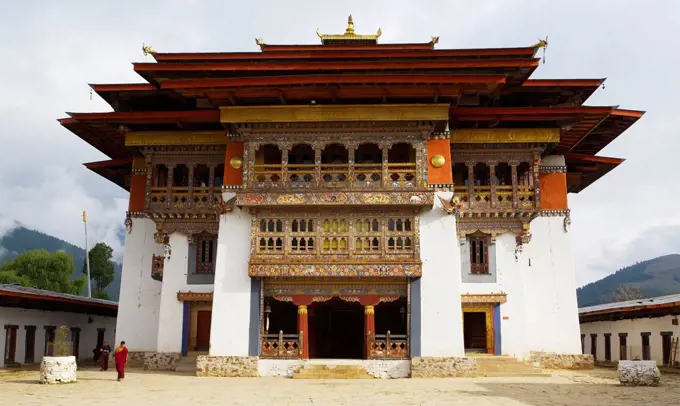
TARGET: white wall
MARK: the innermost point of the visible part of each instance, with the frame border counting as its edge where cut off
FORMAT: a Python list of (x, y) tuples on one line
[(229, 335), (171, 313), (140, 295), (441, 313), (634, 341), (40, 319)]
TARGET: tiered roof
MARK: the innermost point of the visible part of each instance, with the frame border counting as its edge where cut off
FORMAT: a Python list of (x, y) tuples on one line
[(486, 88)]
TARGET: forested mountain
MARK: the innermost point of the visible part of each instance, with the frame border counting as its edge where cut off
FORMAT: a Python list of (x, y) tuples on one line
[(22, 239), (655, 277)]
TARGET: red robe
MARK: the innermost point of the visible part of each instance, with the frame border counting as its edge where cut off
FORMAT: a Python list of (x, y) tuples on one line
[(120, 357)]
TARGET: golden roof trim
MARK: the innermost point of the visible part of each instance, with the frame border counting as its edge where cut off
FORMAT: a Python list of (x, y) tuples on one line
[(349, 35), (490, 298), (147, 138), (504, 135), (195, 296)]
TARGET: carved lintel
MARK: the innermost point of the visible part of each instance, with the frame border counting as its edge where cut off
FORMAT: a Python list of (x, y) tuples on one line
[(491, 298), (195, 296), (224, 207), (160, 237)]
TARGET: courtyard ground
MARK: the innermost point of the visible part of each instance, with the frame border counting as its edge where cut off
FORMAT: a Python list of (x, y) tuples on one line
[(597, 387)]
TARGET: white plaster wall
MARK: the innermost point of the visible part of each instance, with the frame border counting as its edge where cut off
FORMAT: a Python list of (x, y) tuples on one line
[(139, 302), (634, 328), (440, 285), (40, 319), (547, 273), (553, 160), (171, 313), (229, 335)]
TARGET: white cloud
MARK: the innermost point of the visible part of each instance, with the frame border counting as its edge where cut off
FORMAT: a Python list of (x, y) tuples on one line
[(51, 50)]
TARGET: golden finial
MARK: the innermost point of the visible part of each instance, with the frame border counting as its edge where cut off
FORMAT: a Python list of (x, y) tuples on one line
[(260, 42), (318, 32), (434, 40), (542, 43), (378, 34), (148, 50), (350, 26)]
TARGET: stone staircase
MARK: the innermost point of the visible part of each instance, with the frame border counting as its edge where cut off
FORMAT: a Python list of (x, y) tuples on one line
[(186, 365), (318, 371), (503, 366)]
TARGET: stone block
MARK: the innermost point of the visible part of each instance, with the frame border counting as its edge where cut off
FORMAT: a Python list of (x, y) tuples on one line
[(226, 366), (639, 373), (443, 367), (388, 369), (562, 361), (135, 359), (58, 370), (161, 361)]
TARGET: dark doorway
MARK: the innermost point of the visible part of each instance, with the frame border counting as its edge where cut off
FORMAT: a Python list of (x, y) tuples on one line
[(593, 345), (623, 346), (75, 341), (646, 348), (336, 330), (50, 332), (391, 316), (666, 348), (100, 337), (607, 347), (29, 357), (10, 344), (203, 321), (474, 331)]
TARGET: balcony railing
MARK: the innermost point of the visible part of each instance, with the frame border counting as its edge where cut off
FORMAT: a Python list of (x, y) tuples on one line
[(496, 197), (358, 175), (280, 346), (388, 346), (183, 197)]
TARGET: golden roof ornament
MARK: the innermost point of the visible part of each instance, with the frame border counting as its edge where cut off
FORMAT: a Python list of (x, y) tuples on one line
[(349, 36), (147, 50), (260, 42), (541, 44)]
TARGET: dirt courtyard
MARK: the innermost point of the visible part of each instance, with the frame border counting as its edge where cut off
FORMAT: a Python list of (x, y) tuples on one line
[(596, 387)]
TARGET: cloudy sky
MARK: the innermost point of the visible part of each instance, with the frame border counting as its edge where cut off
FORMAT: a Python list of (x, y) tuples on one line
[(50, 51)]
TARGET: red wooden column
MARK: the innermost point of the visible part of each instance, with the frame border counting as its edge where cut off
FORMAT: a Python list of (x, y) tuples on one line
[(303, 329), (369, 328)]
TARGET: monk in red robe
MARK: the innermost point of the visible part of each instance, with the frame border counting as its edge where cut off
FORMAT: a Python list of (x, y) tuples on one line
[(120, 356)]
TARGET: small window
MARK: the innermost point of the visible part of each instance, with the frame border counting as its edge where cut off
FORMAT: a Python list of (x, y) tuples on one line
[(206, 252), (479, 254)]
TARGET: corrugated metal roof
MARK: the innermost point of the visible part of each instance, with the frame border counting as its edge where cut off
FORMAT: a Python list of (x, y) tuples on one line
[(639, 303), (14, 290)]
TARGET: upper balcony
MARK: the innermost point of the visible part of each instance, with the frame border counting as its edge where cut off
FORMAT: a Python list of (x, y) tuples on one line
[(335, 166), (184, 186), (496, 184)]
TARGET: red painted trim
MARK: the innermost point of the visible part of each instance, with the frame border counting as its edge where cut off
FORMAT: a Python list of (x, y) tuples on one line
[(56, 299), (334, 65), (563, 82), (550, 111), (119, 87), (364, 52), (335, 78), (591, 158), (172, 116), (109, 163), (628, 113)]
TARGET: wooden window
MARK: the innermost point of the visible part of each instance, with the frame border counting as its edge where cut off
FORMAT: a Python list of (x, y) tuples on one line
[(646, 347), (623, 346), (593, 345), (607, 347), (479, 254), (206, 252)]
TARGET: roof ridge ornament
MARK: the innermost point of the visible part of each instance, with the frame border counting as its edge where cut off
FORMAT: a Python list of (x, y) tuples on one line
[(349, 36), (260, 42), (541, 44), (147, 50)]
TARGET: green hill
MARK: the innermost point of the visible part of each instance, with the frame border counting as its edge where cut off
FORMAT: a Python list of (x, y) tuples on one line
[(655, 277), (22, 239)]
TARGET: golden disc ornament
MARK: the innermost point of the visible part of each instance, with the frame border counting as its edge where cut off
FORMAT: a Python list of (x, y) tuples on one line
[(438, 161), (236, 162)]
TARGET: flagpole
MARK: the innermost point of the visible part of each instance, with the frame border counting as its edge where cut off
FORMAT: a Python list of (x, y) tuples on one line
[(87, 258)]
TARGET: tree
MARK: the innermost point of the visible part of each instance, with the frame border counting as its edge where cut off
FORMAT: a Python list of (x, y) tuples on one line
[(626, 292), (102, 269), (43, 270)]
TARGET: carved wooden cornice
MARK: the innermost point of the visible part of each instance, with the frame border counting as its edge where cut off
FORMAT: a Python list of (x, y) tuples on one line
[(346, 287), (147, 138), (495, 227), (195, 296), (414, 198), (335, 269), (552, 169), (505, 135), (335, 113), (491, 298)]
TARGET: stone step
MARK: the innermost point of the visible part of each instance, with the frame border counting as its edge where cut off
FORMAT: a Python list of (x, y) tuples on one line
[(513, 374), (186, 365), (316, 371)]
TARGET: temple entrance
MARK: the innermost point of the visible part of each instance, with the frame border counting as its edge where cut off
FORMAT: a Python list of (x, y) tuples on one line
[(474, 332), (336, 330), (203, 320)]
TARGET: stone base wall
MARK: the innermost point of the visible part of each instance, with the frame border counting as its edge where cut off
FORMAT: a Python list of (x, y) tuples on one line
[(562, 361), (387, 369), (443, 367), (208, 365), (58, 370), (161, 361), (135, 359)]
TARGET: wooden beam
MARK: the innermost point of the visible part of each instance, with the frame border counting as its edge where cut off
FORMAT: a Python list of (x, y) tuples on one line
[(504, 135), (145, 138)]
